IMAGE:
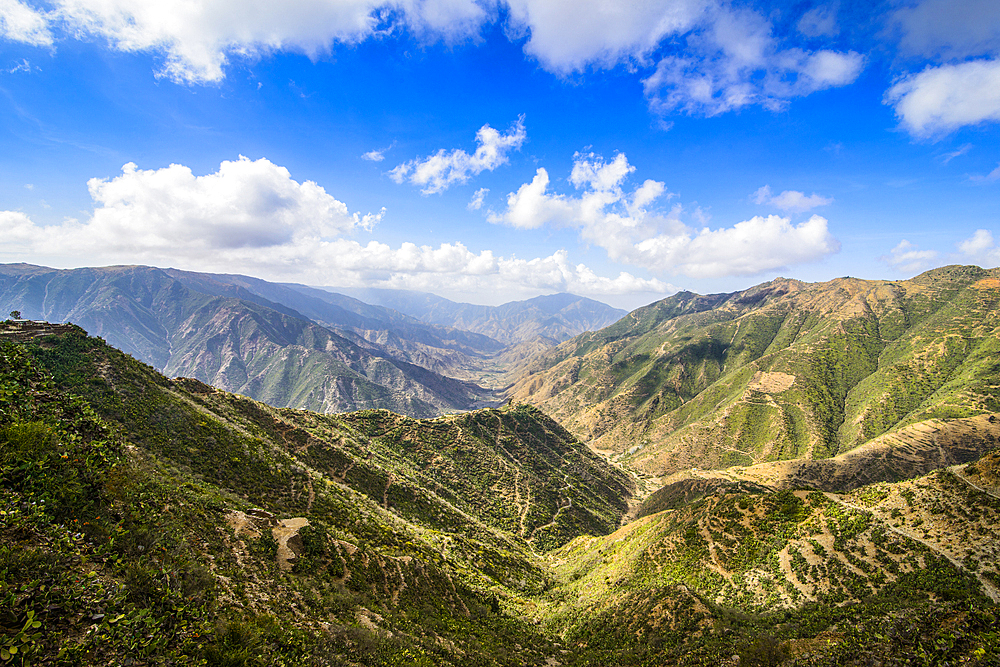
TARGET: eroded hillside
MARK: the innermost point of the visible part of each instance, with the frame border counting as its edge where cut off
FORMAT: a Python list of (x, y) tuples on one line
[(812, 577)]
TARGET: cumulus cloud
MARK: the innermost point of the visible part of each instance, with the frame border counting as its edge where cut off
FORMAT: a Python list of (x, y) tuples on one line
[(198, 38), (246, 206), (252, 217), (790, 200), (941, 99), (22, 23), (440, 171), (734, 60), (373, 156), (905, 257), (567, 36), (723, 57), (749, 247), (625, 225), (981, 249)]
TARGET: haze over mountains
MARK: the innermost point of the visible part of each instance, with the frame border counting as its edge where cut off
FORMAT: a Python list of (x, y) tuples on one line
[(555, 316)]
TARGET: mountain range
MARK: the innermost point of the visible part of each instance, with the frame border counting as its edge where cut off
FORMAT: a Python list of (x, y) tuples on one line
[(289, 345), (153, 521), (556, 317)]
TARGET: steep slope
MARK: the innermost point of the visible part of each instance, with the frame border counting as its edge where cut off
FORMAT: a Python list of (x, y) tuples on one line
[(805, 577), (219, 525), (449, 351), (232, 338), (783, 370), (555, 316), (153, 521)]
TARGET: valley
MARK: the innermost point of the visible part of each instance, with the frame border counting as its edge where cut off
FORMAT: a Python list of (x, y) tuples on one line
[(291, 345), (792, 475)]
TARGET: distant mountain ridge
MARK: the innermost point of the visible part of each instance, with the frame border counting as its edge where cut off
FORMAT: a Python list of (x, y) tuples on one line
[(298, 346), (223, 333), (555, 316)]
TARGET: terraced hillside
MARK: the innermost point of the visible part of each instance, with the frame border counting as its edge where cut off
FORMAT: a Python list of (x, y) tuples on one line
[(149, 521), (805, 577), (785, 370)]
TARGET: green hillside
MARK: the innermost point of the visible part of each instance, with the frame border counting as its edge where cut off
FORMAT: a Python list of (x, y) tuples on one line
[(783, 370), (148, 521), (149, 482)]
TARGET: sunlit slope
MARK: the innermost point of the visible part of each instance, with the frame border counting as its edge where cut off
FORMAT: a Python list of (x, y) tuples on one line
[(164, 522), (780, 371), (826, 579)]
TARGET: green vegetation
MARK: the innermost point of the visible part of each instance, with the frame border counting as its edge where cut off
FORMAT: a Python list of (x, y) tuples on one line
[(784, 370), (149, 521)]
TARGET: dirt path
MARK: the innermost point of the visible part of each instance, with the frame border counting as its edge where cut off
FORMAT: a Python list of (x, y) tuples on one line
[(988, 587), (282, 533), (957, 471)]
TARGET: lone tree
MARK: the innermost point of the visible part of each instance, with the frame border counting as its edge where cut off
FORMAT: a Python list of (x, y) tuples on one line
[(15, 314)]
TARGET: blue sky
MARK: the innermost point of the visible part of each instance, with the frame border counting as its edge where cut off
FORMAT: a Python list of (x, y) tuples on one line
[(490, 151)]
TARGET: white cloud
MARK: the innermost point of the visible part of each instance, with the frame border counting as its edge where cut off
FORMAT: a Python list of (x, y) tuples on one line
[(373, 156), (252, 217), (819, 22), (948, 28), (981, 249), (735, 61), (18, 231), (905, 257), (988, 178), (942, 99), (749, 247), (958, 152), (438, 172), (245, 204), (569, 35), (622, 223), (198, 38), (22, 23), (723, 57), (790, 200), (478, 197), (23, 66), (245, 207)]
